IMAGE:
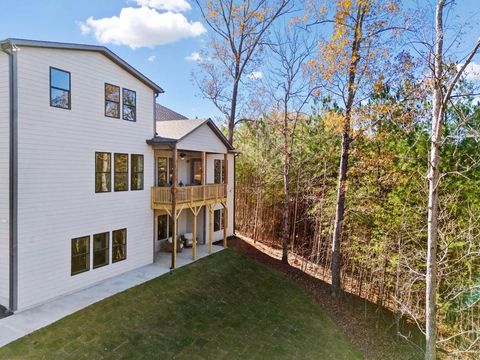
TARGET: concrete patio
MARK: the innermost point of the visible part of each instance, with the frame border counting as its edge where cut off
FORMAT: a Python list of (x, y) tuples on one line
[(25, 322)]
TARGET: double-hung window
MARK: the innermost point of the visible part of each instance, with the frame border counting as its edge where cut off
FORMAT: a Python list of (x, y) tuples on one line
[(219, 174), (103, 172), (129, 105), (119, 245), (112, 101), (136, 172), (80, 255), (218, 220), (101, 250), (60, 89), (120, 178)]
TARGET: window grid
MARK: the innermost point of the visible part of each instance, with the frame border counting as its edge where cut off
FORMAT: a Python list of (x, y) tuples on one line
[(136, 172), (80, 260), (103, 172), (112, 101), (101, 252), (119, 245), (120, 177), (53, 100)]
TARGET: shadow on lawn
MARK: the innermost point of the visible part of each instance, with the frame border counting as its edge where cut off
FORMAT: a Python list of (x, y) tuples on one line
[(373, 329)]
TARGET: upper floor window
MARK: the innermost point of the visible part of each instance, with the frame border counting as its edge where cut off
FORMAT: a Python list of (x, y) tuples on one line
[(103, 171), (219, 173), (137, 172), (120, 178), (60, 85), (129, 105), (112, 101)]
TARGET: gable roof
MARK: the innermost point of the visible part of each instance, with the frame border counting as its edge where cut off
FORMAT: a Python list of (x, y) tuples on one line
[(83, 47), (173, 131), (163, 113)]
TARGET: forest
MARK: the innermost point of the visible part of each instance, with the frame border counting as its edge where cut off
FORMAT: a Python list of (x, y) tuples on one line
[(357, 125)]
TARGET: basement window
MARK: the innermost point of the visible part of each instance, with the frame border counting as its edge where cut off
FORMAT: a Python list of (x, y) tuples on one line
[(60, 84), (101, 250), (218, 220), (119, 245), (80, 255)]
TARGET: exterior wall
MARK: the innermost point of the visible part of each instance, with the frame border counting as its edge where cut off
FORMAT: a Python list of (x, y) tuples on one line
[(202, 139), (57, 199), (4, 178), (218, 235)]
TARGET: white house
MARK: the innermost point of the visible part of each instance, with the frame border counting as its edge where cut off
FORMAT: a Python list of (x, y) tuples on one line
[(93, 172)]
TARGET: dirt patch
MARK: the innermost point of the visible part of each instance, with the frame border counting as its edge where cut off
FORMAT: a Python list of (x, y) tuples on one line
[(374, 330)]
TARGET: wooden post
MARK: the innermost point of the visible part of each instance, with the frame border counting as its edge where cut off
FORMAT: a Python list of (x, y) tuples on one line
[(210, 228), (204, 177), (174, 208), (225, 224), (194, 240)]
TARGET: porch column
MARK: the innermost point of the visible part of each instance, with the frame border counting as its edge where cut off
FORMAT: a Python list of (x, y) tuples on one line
[(174, 207), (210, 227), (194, 240), (225, 224), (225, 168)]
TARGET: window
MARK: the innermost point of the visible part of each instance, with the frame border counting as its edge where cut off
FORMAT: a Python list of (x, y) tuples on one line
[(137, 172), (129, 105), (103, 164), (100, 250), (162, 227), (119, 245), (80, 255), (120, 177), (218, 220), (219, 175), (60, 89), (162, 173), (112, 101)]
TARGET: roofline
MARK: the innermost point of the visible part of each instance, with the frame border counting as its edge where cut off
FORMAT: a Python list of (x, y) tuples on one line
[(208, 121), (84, 47)]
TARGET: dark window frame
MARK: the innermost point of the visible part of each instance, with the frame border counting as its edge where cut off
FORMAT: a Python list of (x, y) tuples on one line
[(221, 176), (107, 249), (116, 246), (221, 213), (110, 101), (57, 88), (134, 107), (86, 254), (103, 172), (133, 173), (115, 172)]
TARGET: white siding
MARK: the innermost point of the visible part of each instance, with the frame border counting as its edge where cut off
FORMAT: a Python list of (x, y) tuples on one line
[(218, 235), (57, 199), (202, 139), (4, 176)]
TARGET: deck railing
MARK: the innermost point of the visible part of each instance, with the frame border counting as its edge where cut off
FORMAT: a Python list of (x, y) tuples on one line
[(189, 194)]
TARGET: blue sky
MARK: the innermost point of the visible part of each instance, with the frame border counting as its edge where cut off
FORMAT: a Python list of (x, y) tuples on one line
[(166, 63)]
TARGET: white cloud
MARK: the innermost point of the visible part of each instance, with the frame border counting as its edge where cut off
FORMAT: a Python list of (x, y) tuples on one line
[(169, 5), (194, 56), (142, 27), (152, 58), (84, 28), (254, 75), (472, 71)]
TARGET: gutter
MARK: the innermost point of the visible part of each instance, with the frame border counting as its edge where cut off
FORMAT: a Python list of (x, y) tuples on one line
[(11, 50)]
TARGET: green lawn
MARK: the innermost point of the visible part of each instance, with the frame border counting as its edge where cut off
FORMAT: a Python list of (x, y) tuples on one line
[(225, 306)]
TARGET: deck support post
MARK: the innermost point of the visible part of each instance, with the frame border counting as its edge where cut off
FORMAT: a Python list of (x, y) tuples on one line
[(225, 224), (204, 178), (174, 208), (210, 228), (194, 240)]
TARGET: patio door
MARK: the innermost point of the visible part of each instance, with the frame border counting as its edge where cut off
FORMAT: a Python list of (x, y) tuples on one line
[(164, 171), (196, 172)]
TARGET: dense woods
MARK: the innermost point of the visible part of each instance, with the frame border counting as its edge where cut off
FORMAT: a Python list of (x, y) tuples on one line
[(360, 155)]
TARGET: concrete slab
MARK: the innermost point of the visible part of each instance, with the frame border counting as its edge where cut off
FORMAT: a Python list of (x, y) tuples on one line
[(27, 321)]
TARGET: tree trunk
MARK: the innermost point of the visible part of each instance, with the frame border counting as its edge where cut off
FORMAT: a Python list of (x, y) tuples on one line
[(433, 180), (286, 202), (233, 108)]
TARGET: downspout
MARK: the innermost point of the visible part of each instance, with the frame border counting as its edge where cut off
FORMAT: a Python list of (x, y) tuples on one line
[(11, 50)]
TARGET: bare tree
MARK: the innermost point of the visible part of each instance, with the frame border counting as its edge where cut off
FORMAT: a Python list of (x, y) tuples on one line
[(290, 91), (442, 88), (240, 30)]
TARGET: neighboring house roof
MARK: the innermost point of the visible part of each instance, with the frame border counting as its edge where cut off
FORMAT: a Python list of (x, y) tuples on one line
[(95, 48), (173, 131), (163, 113)]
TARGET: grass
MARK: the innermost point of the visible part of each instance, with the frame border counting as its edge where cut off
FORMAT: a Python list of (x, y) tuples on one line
[(225, 306)]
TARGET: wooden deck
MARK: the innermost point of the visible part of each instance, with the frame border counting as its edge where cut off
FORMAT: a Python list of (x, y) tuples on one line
[(188, 196)]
